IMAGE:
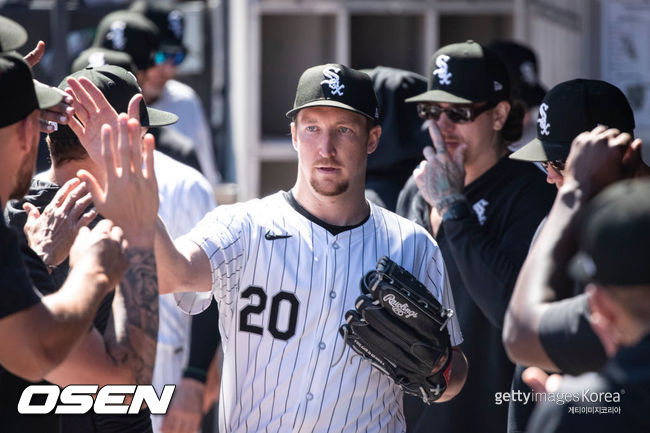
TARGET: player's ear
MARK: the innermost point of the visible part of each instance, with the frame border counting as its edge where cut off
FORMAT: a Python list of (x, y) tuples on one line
[(294, 137), (604, 314), (373, 138), (26, 128), (500, 115)]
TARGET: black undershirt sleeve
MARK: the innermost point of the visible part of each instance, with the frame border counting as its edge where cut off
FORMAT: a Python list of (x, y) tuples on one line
[(203, 342), (568, 339)]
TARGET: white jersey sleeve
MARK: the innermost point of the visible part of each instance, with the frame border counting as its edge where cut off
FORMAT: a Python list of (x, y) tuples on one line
[(222, 235)]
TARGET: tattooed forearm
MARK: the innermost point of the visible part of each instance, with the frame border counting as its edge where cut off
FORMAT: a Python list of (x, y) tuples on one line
[(132, 335)]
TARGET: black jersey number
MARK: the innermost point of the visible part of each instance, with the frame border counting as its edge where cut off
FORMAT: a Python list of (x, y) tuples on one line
[(276, 301)]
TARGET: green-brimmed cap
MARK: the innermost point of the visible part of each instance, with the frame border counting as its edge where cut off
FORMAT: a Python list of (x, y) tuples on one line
[(465, 73), (130, 32), (118, 86), (99, 56), (18, 86), (336, 85), (571, 108), (12, 35)]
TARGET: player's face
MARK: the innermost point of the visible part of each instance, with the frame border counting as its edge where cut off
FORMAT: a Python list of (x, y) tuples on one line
[(333, 146), (153, 80), (481, 134)]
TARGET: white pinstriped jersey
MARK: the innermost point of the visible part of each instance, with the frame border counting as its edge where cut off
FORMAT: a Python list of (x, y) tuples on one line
[(281, 302)]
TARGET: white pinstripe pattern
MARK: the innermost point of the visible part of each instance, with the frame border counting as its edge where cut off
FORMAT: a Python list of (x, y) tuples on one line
[(274, 385)]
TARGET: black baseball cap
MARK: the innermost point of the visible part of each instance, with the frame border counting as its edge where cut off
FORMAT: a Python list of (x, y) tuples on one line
[(464, 73), (98, 56), (118, 86), (521, 63), (20, 91), (614, 240), (571, 108), (12, 35), (336, 85), (170, 22), (130, 32)]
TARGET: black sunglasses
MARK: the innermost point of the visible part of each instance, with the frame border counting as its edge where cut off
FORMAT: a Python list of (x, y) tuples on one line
[(558, 165), (456, 114)]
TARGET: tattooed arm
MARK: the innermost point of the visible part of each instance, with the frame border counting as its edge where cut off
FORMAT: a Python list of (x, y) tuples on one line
[(132, 331), (126, 352)]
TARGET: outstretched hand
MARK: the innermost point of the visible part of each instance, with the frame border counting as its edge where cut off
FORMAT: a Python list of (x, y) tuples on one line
[(129, 196), (441, 176), (92, 111), (51, 233)]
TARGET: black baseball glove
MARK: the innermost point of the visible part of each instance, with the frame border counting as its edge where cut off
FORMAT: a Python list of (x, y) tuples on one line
[(400, 327)]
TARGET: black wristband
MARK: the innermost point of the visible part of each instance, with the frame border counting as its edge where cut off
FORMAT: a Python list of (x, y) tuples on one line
[(196, 374), (457, 210)]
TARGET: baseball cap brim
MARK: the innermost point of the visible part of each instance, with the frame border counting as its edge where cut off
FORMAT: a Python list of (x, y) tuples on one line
[(160, 118), (438, 96), (538, 150), (47, 96), (12, 35), (326, 103)]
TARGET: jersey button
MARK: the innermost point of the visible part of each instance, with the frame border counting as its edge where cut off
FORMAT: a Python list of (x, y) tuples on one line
[(309, 396), (322, 346), (332, 295), (335, 246)]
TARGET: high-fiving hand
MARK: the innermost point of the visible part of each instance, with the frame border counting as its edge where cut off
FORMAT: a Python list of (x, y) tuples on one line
[(92, 111), (129, 196)]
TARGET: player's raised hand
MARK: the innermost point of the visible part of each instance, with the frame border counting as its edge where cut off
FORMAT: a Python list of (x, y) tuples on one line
[(129, 196), (599, 158), (92, 111), (441, 176), (51, 233)]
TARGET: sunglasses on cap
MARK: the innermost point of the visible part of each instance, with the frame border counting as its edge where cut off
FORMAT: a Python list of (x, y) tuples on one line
[(176, 57), (456, 113), (558, 165)]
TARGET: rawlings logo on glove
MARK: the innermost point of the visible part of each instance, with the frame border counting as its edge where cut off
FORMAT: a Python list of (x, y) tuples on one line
[(401, 328), (399, 309)]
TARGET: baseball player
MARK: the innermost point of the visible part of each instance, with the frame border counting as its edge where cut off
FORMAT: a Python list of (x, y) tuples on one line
[(284, 270)]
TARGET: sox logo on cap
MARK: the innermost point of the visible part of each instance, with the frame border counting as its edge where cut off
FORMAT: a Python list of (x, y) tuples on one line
[(331, 73)]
